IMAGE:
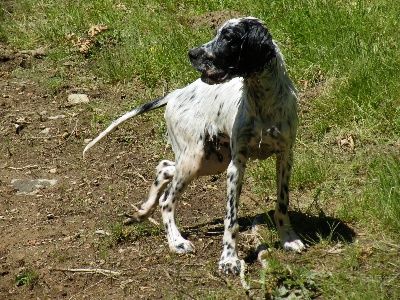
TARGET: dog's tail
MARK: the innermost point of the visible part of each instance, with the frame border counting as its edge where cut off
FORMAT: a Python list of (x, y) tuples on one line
[(137, 111)]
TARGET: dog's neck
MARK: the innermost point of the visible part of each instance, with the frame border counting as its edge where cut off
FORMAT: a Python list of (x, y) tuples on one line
[(269, 88)]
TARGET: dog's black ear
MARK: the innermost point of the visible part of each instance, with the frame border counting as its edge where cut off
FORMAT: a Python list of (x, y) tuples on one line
[(257, 48)]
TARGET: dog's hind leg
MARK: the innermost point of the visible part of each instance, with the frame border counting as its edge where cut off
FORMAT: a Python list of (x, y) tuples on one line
[(184, 173), (290, 240), (165, 173)]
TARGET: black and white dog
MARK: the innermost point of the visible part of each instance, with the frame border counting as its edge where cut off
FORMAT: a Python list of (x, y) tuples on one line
[(244, 107)]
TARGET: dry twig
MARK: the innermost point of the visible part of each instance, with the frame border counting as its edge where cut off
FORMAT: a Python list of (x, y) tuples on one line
[(141, 176), (96, 271), (23, 168)]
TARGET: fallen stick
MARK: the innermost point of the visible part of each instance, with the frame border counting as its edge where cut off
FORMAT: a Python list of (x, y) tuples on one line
[(141, 176), (23, 168), (96, 271)]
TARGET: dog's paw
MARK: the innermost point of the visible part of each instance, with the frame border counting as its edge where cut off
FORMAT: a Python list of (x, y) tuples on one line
[(292, 242), (230, 266), (137, 217), (182, 246)]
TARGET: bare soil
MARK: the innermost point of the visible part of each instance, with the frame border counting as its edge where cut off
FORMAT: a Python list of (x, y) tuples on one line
[(64, 227)]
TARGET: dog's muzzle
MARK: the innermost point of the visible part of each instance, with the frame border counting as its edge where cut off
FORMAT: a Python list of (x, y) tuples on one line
[(202, 62)]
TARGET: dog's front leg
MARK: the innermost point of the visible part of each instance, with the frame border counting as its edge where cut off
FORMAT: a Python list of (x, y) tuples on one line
[(229, 262), (290, 240)]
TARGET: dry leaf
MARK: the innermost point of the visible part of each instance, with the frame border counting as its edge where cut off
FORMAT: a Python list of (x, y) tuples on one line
[(346, 141), (84, 43), (70, 36), (96, 29)]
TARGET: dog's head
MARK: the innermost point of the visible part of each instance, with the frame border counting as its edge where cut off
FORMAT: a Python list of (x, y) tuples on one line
[(241, 47)]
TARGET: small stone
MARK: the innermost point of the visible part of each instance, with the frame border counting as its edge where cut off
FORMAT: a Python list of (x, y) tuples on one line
[(38, 53), (45, 130), (75, 99), (67, 238), (31, 187), (57, 117)]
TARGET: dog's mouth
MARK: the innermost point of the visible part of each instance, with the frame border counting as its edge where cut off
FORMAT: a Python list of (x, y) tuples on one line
[(210, 77)]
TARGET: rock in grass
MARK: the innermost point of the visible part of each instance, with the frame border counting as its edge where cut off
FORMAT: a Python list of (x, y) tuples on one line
[(31, 187), (75, 99)]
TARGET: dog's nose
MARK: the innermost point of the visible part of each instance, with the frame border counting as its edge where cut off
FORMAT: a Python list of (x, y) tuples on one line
[(194, 53)]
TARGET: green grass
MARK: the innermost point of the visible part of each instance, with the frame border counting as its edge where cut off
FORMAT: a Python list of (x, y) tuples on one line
[(118, 234), (342, 55), (26, 278), (381, 198)]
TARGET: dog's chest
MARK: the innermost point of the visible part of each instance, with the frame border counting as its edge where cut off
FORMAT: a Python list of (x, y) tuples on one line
[(268, 138), (271, 122)]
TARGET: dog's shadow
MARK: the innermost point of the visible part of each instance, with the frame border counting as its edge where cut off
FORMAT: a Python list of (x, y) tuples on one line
[(312, 229)]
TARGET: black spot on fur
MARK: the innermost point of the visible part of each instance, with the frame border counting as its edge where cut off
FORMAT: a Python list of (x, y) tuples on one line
[(286, 189), (280, 222), (233, 223), (150, 105), (230, 176), (283, 208), (231, 203), (180, 246), (220, 109), (166, 195)]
